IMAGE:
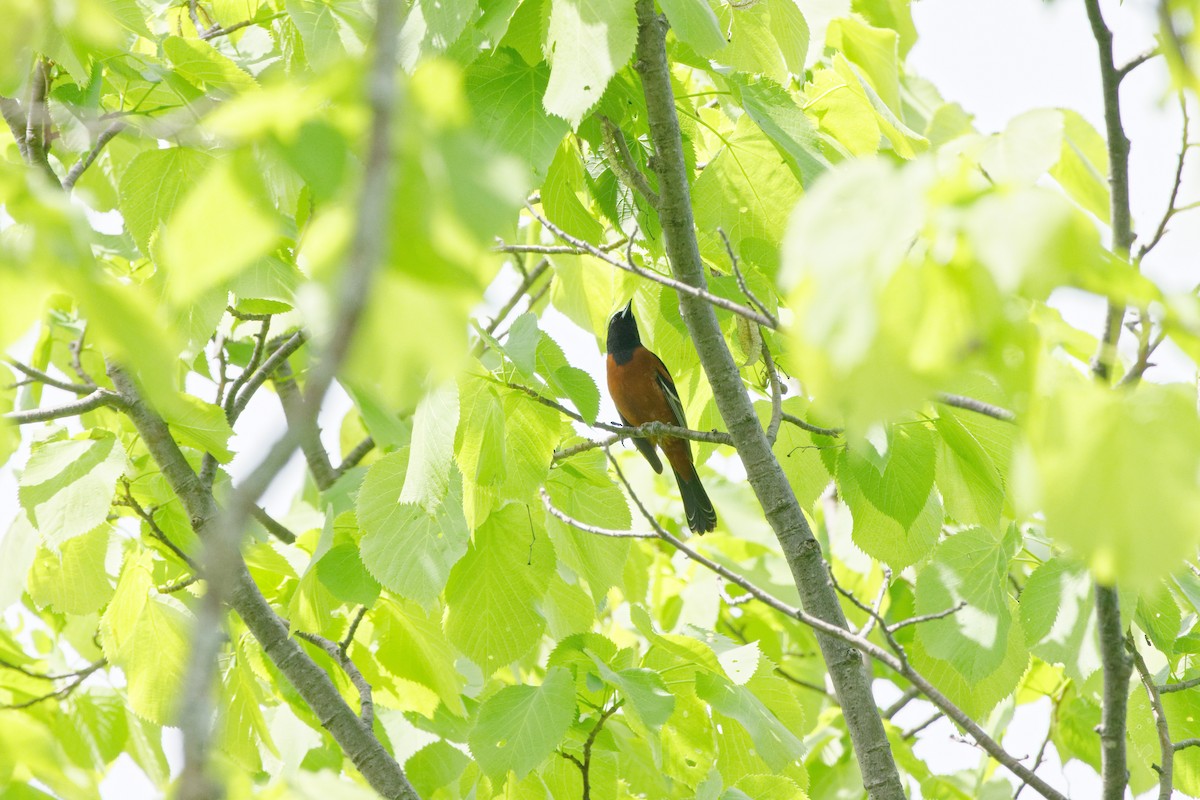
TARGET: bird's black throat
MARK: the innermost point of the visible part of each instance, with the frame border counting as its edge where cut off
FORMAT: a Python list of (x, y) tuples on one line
[(623, 336)]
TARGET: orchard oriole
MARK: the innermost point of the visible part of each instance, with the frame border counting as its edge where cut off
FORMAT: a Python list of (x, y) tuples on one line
[(643, 392)]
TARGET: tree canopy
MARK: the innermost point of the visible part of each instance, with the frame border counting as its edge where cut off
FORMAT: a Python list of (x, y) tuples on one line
[(395, 233)]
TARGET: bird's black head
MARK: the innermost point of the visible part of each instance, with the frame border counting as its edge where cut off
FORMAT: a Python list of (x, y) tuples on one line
[(623, 335)]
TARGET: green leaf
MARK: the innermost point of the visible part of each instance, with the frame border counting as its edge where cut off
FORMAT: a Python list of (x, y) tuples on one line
[(976, 698), (479, 441), (505, 95), (67, 486), (582, 489), (785, 124), (694, 22), (148, 636), (201, 425), (434, 767), (565, 183), (645, 691), (775, 744), (201, 64), (412, 646), (1116, 474), (1082, 168), (519, 727), (406, 548), (874, 50), (580, 389), (969, 567), (799, 452), (73, 580), (242, 726), (589, 41), (152, 185), (744, 191), (493, 590), (897, 515), (432, 452), (341, 570), (971, 486), (1158, 615)]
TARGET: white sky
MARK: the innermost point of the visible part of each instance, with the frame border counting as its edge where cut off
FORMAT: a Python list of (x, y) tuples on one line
[(998, 58)]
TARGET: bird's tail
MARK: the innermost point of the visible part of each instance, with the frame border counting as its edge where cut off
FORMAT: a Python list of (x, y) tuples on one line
[(701, 516)]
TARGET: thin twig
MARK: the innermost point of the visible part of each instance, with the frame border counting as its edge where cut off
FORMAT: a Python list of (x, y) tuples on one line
[(805, 684), (76, 349), (650, 429), (49, 380), (961, 718), (585, 766), (978, 406), (1166, 770), (178, 585), (97, 399), (273, 527), (624, 165), (59, 693), (628, 266), (741, 281), (344, 644), (1137, 61), (260, 346), (776, 393), (1183, 743), (585, 527), (147, 516), (352, 459), (913, 731), (928, 617), (527, 282), (334, 650), (1182, 686), (78, 168), (895, 708), (280, 355), (808, 426), (1172, 209)]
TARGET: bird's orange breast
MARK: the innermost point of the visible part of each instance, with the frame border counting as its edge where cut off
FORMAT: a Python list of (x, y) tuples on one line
[(635, 390)]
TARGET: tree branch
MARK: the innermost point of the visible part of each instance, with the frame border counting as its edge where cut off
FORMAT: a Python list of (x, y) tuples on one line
[(273, 527), (338, 654), (38, 122), (580, 246), (1118, 160), (978, 406), (304, 427), (1117, 667), (1182, 686), (1172, 209), (97, 399), (624, 165), (881, 780), (1166, 770), (859, 643), (365, 751), (80, 166), (50, 380), (279, 356)]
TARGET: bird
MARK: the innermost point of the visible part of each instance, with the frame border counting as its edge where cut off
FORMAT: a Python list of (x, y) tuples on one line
[(642, 390)]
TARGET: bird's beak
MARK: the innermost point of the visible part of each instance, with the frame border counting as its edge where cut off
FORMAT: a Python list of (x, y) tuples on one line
[(628, 309)]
